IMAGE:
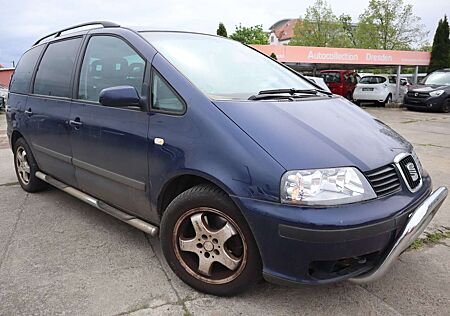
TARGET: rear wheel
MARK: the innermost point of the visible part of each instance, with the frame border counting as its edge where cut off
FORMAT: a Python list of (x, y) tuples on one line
[(26, 167), (208, 244)]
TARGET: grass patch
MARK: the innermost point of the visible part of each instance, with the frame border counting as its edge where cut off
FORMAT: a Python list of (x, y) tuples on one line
[(430, 239)]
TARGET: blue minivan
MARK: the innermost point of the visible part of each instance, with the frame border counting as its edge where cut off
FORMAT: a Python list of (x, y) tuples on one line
[(243, 167)]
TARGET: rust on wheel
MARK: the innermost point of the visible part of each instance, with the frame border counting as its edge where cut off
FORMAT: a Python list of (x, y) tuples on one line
[(210, 246)]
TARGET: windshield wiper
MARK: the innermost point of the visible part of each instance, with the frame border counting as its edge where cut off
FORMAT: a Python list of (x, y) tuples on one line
[(269, 94)]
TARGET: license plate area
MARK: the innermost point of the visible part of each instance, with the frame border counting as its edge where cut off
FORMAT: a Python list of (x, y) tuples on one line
[(367, 89)]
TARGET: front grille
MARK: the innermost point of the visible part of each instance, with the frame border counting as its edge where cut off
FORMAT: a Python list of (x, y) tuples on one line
[(410, 171), (384, 180), (420, 95)]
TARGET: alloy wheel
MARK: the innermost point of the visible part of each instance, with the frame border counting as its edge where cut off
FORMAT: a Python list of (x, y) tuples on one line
[(210, 246), (23, 167)]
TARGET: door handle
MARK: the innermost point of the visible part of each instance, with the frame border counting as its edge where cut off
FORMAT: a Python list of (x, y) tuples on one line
[(29, 112), (76, 123)]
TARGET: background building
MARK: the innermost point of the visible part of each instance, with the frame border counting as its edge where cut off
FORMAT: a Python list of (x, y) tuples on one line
[(282, 31)]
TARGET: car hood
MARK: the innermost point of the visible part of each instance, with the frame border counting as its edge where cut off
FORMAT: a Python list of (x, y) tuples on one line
[(427, 87), (316, 133)]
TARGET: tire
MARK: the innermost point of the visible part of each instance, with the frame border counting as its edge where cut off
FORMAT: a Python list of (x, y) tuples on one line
[(446, 106), (388, 100), (349, 96), (216, 218), (26, 167)]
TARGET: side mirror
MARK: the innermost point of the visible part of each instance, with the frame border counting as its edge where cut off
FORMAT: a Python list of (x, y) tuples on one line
[(120, 96), (404, 83)]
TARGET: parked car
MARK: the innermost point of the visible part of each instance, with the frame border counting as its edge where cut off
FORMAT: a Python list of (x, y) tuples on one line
[(341, 82), (3, 96), (320, 82), (432, 94), (241, 173), (377, 88)]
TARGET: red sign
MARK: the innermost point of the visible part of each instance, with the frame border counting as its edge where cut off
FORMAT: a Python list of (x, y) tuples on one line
[(355, 56)]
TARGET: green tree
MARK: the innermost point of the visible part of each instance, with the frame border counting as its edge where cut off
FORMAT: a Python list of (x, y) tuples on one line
[(389, 24), (440, 52), (320, 27), (274, 56), (250, 35), (222, 31)]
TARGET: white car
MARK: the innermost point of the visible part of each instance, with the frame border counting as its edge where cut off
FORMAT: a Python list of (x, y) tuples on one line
[(319, 81), (377, 88)]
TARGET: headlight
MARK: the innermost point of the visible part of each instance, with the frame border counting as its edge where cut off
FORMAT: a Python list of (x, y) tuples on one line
[(436, 93), (325, 187)]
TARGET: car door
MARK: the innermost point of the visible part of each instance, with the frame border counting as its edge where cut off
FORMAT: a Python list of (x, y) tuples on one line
[(392, 85), (109, 144), (48, 108)]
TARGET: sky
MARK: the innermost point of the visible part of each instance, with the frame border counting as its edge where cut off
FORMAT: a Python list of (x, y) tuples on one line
[(24, 21)]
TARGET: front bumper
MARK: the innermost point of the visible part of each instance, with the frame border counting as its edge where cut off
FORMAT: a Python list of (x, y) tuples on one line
[(316, 246), (415, 226), (429, 103)]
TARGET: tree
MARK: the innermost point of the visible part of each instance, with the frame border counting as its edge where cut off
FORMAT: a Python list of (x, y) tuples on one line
[(250, 35), (222, 31), (273, 56), (320, 27), (440, 52), (389, 24)]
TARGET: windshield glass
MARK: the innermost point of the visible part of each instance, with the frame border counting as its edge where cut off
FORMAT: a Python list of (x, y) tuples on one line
[(222, 68), (438, 78), (330, 77), (372, 79)]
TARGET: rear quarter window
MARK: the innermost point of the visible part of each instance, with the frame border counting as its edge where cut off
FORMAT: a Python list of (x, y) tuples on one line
[(21, 79), (372, 79)]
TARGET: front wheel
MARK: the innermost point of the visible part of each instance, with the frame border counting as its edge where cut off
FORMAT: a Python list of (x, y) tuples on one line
[(388, 100), (446, 106), (208, 244)]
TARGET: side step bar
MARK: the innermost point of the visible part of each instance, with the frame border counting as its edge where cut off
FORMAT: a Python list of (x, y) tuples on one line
[(102, 206)]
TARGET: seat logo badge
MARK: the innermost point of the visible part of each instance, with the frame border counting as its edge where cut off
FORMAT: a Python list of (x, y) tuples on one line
[(412, 171), (416, 94), (159, 141)]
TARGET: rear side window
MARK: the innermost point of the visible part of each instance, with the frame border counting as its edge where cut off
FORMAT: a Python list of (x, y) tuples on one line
[(330, 77), (109, 62), (164, 97), (55, 70), (20, 82), (372, 79)]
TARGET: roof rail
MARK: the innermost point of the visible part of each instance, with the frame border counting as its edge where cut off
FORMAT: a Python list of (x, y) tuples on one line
[(58, 33)]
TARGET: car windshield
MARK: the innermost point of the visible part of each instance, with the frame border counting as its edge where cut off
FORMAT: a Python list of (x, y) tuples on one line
[(330, 77), (222, 68), (438, 78), (372, 79)]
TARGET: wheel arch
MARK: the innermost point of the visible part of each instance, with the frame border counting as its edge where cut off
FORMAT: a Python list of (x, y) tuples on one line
[(15, 136), (182, 182)]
